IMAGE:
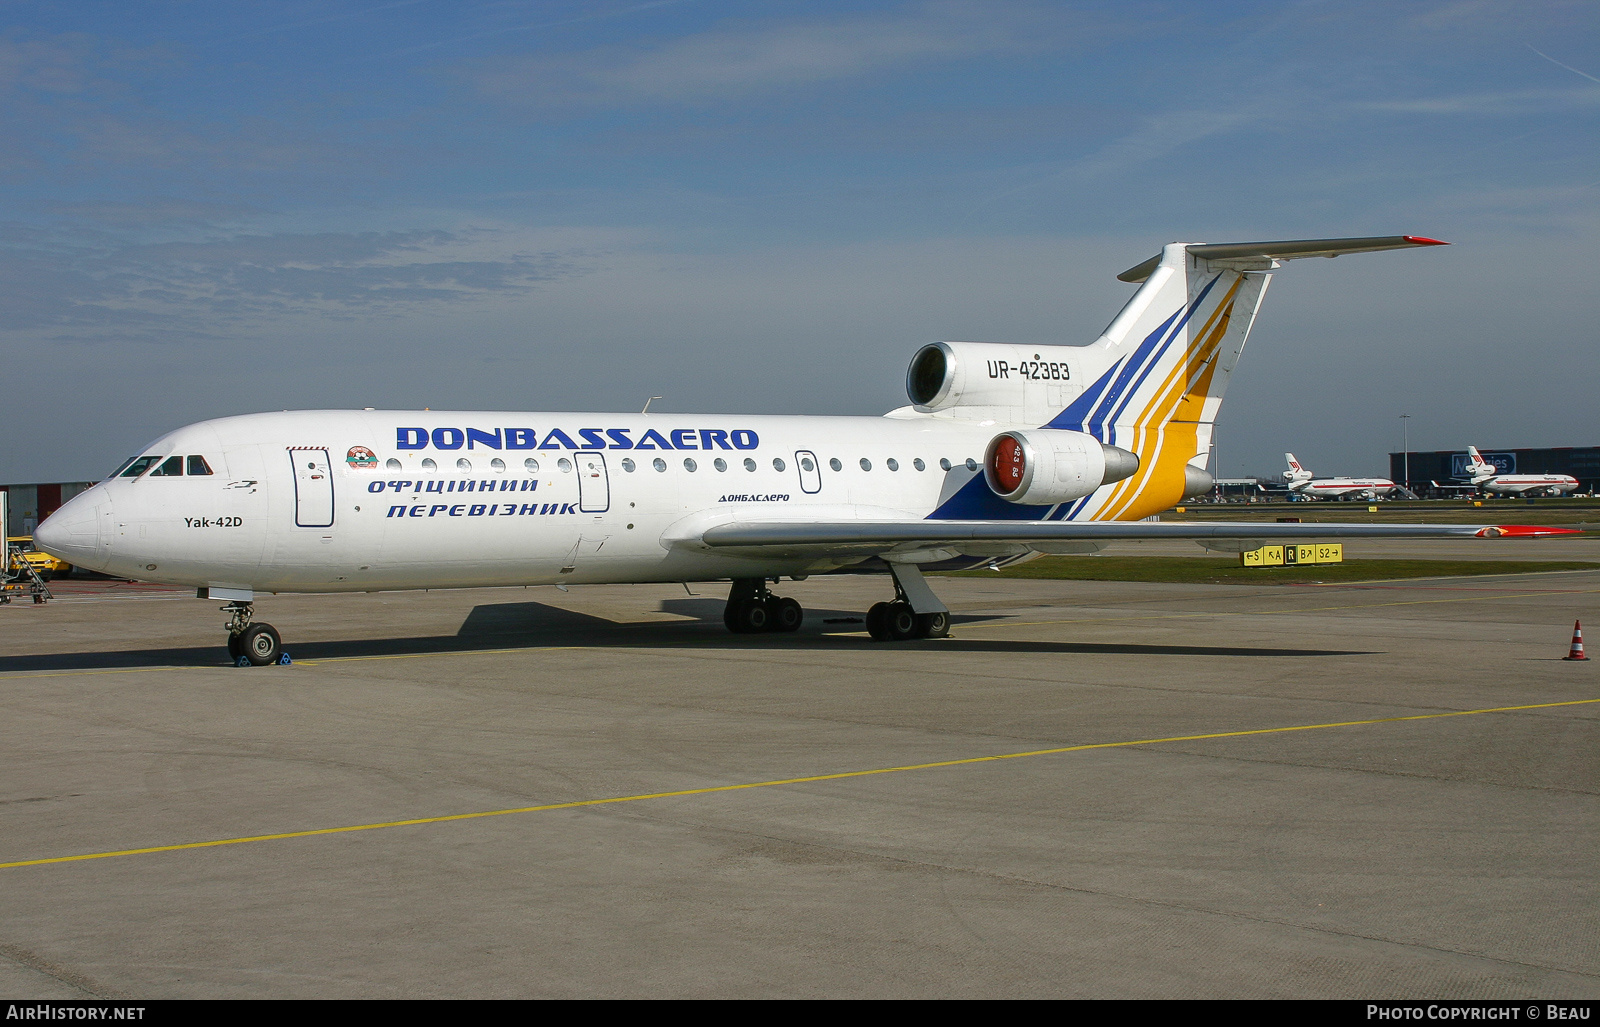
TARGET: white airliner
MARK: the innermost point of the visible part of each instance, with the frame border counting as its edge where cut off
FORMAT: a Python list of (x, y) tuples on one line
[(1485, 476), (1005, 452), (1303, 483)]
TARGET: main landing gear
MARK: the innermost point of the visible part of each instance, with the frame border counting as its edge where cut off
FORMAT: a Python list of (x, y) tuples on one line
[(752, 609), (898, 622), (915, 612), (251, 645)]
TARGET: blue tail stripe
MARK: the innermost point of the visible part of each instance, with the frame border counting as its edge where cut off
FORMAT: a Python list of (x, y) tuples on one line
[(1143, 358), (1078, 410), (976, 501), (1149, 351), (1177, 330)]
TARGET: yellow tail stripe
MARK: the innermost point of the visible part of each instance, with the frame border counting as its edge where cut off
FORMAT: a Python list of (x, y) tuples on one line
[(1159, 411)]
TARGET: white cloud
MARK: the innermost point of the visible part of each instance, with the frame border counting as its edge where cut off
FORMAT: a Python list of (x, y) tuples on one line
[(732, 63), (1491, 104), (92, 286)]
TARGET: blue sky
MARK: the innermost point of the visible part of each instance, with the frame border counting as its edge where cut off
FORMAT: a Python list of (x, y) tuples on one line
[(212, 209)]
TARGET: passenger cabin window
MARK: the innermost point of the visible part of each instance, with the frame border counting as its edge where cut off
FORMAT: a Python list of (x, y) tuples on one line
[(139, 466), (171, 467), (198, 465)]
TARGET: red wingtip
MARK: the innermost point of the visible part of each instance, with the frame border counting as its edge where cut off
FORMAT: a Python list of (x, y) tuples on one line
[(1523, 531), (1419, 240)]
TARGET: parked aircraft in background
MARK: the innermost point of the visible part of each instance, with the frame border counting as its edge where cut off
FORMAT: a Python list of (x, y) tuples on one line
[(1486, 476), (1305, 484), (1005, 452)]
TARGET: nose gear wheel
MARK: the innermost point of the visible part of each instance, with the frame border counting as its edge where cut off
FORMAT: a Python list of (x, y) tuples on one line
[(251, 644)]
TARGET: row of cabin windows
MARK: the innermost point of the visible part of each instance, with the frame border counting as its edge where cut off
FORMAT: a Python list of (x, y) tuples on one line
[(174, 466), (170, 467), (689, 464)]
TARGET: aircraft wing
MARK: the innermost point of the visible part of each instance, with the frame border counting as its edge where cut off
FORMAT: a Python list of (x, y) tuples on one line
[(867, 537)]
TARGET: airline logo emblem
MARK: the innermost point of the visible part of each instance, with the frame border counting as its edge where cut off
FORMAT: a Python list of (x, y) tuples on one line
[(588, 438), (361, 457)]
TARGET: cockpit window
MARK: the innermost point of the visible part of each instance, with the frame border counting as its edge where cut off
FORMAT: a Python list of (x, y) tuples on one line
[(198, 465), (171, 467), (122, 467), (139, 466)]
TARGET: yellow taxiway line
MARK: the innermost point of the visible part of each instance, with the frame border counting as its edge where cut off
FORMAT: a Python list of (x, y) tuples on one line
[(813, 779)]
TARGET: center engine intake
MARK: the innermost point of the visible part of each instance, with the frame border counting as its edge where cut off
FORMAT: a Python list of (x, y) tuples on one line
[(1046, 466)]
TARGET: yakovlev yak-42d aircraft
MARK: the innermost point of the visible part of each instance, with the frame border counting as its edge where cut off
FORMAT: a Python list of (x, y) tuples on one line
[(1005, 452)]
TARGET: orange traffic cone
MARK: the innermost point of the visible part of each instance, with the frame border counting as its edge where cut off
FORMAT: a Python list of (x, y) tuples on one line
[(1577, 643)]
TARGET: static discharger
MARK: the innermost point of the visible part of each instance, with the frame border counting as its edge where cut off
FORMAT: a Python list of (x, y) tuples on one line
[(1577, 643)]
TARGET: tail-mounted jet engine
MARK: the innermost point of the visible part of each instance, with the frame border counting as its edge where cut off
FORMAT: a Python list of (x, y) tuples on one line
[(976, 380), (1045, 466)]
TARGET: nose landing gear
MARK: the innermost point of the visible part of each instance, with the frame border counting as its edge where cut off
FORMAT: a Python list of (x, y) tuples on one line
[(752, 609), (249, 644)]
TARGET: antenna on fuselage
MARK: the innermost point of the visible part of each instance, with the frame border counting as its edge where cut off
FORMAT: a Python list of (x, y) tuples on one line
[(647, 403)]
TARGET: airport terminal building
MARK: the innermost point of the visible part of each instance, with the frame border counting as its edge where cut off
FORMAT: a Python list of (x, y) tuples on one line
[(1449, 466), (28, 503)]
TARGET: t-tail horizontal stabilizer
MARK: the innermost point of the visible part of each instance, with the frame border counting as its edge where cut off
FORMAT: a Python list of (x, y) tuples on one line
[(1264, 253)]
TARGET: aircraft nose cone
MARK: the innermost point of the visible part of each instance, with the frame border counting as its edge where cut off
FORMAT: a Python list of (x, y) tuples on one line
[(73, 531)]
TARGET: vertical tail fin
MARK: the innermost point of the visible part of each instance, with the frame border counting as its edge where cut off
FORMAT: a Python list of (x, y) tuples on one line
[(1168, 357), (1477, 466)]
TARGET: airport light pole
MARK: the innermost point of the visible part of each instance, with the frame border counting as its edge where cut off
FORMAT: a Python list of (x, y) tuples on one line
[(1216, 465), (1405, 451)]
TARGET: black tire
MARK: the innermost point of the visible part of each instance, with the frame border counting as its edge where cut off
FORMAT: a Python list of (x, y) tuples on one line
[(784, 614), (933, 625), (730, 619), (234, 652), (900, 622), (752, 617), (876, 618), (260, 644)]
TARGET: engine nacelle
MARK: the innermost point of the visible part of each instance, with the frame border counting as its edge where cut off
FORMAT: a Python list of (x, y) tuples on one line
[(1046, 466), (1020, 382)]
